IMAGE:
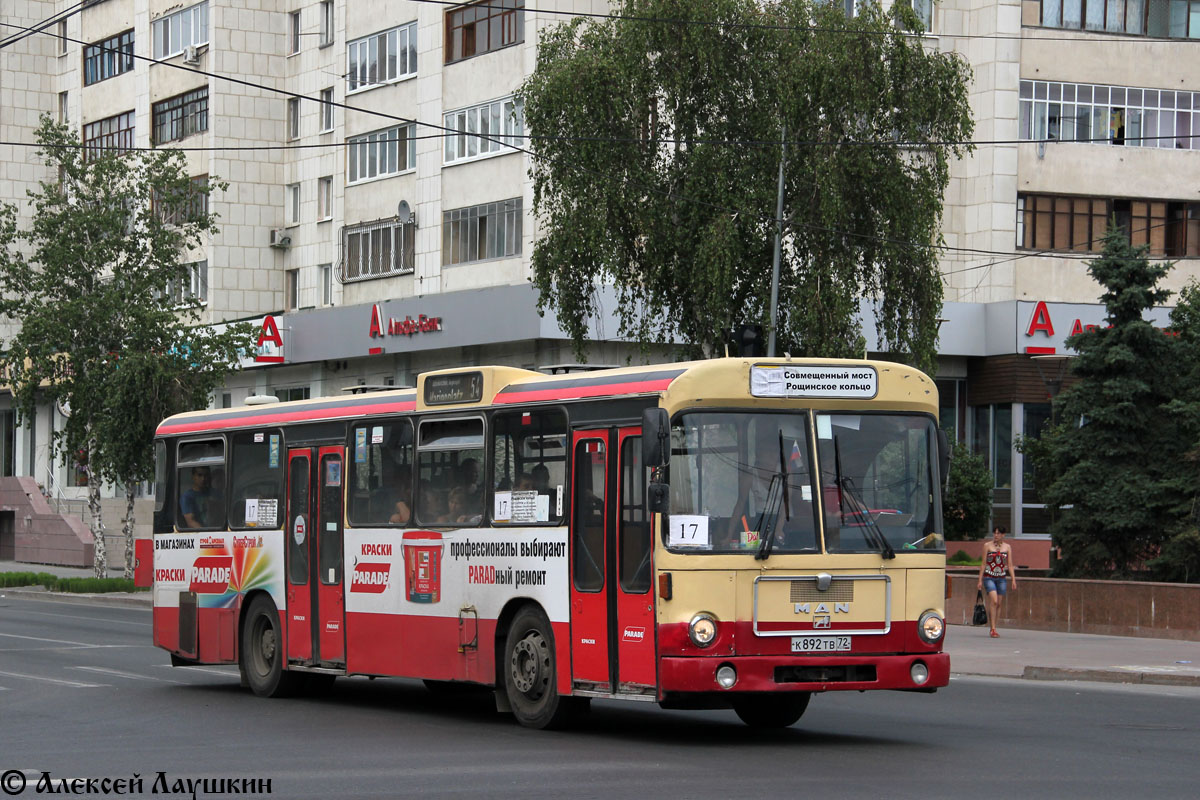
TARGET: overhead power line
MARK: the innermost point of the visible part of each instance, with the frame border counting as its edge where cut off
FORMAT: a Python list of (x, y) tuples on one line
[(444, 131)]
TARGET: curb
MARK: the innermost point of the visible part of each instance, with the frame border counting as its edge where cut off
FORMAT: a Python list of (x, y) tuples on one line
[(121, 599), (1110, 676)]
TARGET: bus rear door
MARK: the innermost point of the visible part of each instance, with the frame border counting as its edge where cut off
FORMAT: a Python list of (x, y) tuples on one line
[(612, 615), (316, 601)]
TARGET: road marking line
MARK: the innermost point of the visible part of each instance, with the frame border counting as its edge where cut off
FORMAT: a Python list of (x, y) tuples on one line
[(228, 673), (89, 619), (52, 641), (131, 675), (59, 681)]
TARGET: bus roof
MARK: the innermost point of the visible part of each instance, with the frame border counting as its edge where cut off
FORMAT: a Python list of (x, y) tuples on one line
[(715, 382)]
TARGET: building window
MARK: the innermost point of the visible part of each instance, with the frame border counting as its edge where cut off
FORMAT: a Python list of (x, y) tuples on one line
[(326, 275), (64, 113), (294, 19), (293, 204), (185, 28), (386, 152), (291, 290), (326, 23), (1116, 115), (924, 10), (377, 249), (1177, 19), (293, 118), (492, 230), (180, 116), (327, 110), (111, 134), (191, 208), (1049, 222), (382, 57), (193, 285), (484, 129), (108, 58), (325, 198), (62, 37), (287, 394), (482, 27)]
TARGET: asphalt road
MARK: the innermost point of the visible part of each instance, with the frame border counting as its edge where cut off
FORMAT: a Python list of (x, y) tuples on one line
[(84, 695)]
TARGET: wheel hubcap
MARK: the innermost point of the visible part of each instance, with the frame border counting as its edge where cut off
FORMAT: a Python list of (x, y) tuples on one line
[(265, 657), (530, 665)]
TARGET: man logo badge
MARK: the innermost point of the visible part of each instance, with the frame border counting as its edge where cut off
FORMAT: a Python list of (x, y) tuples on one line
[(822, 622)]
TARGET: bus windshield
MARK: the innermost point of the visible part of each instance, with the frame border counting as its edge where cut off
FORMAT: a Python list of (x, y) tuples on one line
[(738, 477)]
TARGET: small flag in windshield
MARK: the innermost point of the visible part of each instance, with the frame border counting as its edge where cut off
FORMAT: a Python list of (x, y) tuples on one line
[(796, 457)]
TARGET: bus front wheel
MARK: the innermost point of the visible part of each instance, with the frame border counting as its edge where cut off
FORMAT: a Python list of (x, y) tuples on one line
[(530, 677), (772, 711), (261, 652)]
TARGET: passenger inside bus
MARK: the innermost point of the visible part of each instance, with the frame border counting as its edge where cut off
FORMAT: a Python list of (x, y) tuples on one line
[(396, 494), (199, 505)]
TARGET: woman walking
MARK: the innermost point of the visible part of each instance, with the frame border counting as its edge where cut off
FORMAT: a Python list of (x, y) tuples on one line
[(997, 564)]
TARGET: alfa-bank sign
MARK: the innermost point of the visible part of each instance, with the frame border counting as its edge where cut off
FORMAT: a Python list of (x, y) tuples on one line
[(1043, 328)]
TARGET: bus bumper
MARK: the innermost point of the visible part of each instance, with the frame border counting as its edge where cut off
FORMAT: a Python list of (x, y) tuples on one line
[(806, 674)]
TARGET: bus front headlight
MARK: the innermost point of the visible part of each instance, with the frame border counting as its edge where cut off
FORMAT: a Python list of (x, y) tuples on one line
[(702, 629), (930, 627)]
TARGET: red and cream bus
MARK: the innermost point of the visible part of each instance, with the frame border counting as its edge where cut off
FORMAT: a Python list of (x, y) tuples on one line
[(734, 533)]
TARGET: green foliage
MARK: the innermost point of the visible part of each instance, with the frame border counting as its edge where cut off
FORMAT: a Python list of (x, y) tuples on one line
[(967, 505), (682, 221), (963, 559), (94, 284), (26, 579), (1180, 558), (54, 583), (1114, 461)]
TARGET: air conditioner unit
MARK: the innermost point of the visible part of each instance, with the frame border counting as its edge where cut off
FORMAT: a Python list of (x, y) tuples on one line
[(191, 54), (280, 238)]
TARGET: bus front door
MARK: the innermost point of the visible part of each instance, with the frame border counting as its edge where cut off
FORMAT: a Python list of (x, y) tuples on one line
[(612, 615), (299, 523), (316, 603)]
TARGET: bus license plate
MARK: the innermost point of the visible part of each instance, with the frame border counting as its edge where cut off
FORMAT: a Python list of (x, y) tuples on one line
[(820, 644)]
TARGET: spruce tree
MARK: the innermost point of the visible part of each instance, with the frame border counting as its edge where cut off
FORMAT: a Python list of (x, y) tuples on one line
[(1114, 451)]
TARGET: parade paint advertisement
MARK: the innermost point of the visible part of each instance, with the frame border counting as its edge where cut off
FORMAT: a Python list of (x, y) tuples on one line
[(432, 573), (217, 566)]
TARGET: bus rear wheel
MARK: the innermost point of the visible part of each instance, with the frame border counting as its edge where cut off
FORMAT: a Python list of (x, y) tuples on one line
[(530, 672), (772, 711), (261, 653)]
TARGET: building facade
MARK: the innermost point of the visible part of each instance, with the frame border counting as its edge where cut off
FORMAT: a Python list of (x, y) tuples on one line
[(377, 221)]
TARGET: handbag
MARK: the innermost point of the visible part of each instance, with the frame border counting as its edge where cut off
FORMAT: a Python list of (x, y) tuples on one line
[(979, 616)]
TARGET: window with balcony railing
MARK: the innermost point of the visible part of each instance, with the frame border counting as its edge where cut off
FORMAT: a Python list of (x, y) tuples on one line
[(377, 250), (1109, 115)]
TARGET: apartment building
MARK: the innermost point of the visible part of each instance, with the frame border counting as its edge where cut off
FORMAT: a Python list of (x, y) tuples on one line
[(374, 232)]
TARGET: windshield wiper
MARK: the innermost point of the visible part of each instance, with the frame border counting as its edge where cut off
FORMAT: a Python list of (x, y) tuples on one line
[(778, 487), (858, 507)]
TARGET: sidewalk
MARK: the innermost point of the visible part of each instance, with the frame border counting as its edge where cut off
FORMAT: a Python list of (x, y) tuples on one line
[(1046, 655)]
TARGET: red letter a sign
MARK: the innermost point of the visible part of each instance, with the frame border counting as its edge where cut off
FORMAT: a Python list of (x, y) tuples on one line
[(1040, 320), (270, 343)]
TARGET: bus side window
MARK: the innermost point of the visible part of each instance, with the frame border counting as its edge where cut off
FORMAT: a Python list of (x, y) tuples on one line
[(530, 466), (201, 469), (380, 490), (256, 478), (450, 470)]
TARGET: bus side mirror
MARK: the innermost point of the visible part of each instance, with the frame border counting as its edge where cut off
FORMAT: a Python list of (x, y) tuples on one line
[(944, 457), (658, 498), (656, 437)]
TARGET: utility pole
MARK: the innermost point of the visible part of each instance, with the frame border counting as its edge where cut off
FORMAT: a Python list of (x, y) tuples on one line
[(778, 246)]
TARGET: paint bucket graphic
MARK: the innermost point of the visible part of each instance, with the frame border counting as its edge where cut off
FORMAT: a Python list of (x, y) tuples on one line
[(423, 566)]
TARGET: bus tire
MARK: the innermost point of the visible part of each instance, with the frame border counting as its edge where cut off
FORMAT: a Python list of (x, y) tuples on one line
[(530, 672), (261, 654), (773, 710)]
